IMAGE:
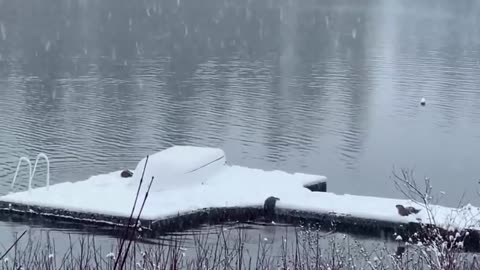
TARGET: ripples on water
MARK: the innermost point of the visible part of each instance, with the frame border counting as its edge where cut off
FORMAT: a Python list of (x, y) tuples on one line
[(326, 88)]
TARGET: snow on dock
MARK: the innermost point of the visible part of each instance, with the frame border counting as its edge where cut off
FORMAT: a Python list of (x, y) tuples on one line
[(186, 179), (189, 179)]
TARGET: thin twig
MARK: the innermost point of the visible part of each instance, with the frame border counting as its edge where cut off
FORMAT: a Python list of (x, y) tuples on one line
[(13, 245), (136, 222), (131, 215)]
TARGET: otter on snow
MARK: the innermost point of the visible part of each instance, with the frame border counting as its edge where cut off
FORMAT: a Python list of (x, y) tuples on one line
[(269, 205), (126, 174), (405, 211)]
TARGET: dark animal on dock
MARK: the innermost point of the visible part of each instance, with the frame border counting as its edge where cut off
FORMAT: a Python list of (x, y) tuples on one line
[(126, 174), (269, 206), (405, 211)]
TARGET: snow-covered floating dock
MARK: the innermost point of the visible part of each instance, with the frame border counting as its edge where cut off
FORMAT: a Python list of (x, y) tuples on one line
[(195, 184)]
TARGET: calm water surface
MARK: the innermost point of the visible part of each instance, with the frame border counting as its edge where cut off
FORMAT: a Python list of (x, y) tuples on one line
[(322, 87)]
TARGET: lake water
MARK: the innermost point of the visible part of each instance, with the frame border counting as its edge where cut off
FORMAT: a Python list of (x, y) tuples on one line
[(322, 87)]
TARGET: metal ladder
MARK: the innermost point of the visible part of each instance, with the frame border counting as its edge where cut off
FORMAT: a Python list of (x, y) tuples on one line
[(32, 172)]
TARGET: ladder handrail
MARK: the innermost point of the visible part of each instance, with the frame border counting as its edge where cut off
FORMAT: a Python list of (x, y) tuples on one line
[(32, 172), (35, 168), (18, 167)]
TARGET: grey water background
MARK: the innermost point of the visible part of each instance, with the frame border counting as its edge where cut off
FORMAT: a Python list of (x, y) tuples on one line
[(322, 87)]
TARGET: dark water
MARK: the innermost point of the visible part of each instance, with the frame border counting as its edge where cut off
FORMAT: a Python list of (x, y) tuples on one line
[(323, 87)]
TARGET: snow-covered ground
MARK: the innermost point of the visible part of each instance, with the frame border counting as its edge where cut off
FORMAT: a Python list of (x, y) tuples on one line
[(191, 178)]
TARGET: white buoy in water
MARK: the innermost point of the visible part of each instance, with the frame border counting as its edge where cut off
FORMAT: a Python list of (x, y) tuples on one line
[(423, 102)]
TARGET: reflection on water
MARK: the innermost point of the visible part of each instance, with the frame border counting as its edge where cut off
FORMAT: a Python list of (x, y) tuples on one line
[(328, 88), (256, 242)]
